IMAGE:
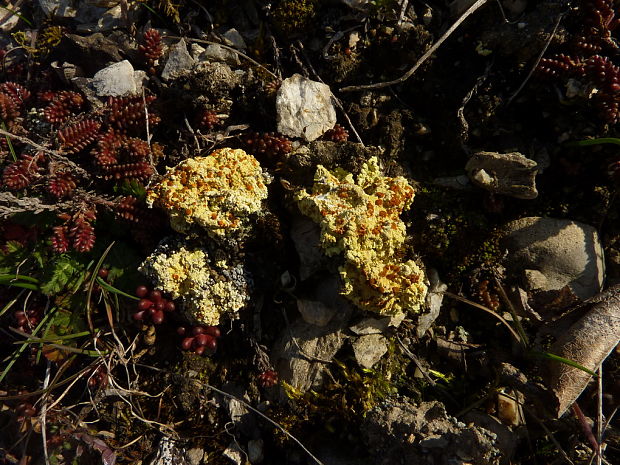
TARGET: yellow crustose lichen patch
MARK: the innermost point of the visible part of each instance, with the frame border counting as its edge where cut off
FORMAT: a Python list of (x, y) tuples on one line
[(208, 293), (361, 220), (217, 192)]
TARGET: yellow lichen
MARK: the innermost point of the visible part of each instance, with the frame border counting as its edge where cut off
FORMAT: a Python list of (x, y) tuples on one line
[(218, 192), (208, 292), (361, 220)]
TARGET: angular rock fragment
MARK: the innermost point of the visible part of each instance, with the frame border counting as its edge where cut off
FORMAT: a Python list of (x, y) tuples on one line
[(304, 108), (549, 254), (504, 173)]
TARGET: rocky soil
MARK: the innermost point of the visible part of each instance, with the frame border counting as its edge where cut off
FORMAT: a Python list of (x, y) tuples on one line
[(254, 232)]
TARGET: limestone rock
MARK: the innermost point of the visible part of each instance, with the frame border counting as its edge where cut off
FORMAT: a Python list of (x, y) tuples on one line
[(315, 312), (304, 108), (400, 431), (369, 349), (549, 254), (115, 80), (179, 61), (504, 173)]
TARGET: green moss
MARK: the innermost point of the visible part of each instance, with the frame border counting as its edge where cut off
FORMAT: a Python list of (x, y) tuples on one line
[(292, 17)]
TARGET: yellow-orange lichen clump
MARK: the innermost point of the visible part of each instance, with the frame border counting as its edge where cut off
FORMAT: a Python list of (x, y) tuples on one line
[(217, 193), (361, 220)]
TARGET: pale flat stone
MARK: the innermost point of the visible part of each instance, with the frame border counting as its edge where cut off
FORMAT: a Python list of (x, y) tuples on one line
[(369, 349), (304, 108), (117, 79)]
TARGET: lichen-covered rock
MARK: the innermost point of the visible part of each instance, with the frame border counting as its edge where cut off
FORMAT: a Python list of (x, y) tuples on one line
[(208, 288), (217, 193), (361, 220)]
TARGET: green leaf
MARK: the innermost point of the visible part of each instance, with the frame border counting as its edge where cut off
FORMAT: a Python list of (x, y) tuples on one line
[(65, 271)]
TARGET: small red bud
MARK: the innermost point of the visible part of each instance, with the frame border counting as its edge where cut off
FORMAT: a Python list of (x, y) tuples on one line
[(198, 330), (181, 330), (159, 305), (155, 295), (139, 316), (103, 273), (199, 350), (144, 304), (203, 339), (213, 331), (158, 317), (187, 343), (170, 306), (142, 291)]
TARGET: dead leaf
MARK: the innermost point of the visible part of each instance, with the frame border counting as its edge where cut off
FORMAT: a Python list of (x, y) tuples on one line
[(587, 342)]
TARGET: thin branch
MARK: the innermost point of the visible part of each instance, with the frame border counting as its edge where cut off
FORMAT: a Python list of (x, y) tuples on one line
[(423, 58), (54, 153), (540, 55)]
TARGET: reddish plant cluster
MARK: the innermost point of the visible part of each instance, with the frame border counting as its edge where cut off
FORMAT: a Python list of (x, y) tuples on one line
[(121, 157), (269, 143), (152, 306), (60, 105), (200, 339), (268, 378), (27, 320), (77, 232), (129, 113), (61, 184), (207, 119), (98, 377), (586, 62), (12, 99), (151, 48), (77, 136), (23, 172), (336, 134)]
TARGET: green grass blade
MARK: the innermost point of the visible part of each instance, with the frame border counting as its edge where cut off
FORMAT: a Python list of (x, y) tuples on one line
[(20, 16), (566, 361), (8, 141), (587, 142), (108, 287), (21, 348)]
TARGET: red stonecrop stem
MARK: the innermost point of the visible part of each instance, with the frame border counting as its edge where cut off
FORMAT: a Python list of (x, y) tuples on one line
[(61, 105), (336, 134), (77, 232), (76, 137), (151, 49), (22, 173), (61, 184), (127, 113)]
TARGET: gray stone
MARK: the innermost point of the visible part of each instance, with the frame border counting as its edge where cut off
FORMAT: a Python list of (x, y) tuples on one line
[(93, 19), (302, 349), (304, 108), (117, 79), (434, 299), (504, 173), (400, 431), (234, 39), (256, 451), (369, 349), (549, 254), (306, 235), (314, 312), (58, 8), (195, 456), (179, 61), (216, 52), (371, 326)]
